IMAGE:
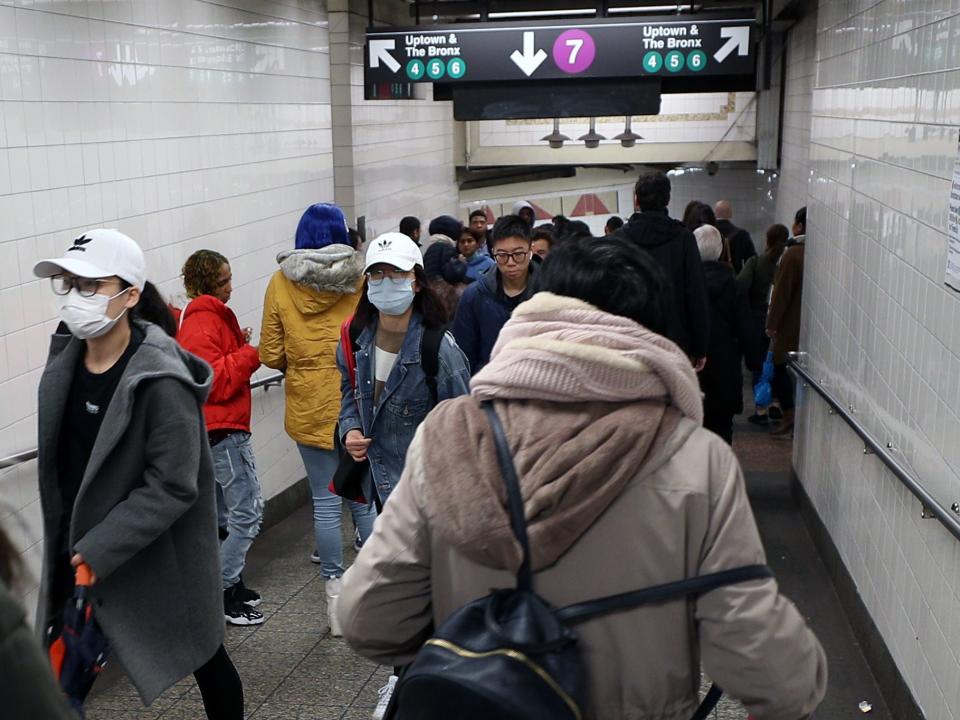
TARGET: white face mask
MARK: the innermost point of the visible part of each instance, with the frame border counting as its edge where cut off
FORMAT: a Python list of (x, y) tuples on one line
[(87, 316)]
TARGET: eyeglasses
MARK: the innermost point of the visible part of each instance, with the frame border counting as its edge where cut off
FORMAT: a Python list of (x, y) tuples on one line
[(518, 257), (86, 287), (375, 277)]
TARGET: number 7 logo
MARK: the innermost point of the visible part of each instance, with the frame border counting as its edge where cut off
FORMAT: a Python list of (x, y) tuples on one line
[(574, 44)]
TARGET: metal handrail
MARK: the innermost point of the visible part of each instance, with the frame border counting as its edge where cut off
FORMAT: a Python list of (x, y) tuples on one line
[(930, 506), (27, 455)]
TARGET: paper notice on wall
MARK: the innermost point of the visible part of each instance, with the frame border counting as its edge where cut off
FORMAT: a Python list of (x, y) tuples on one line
[(953, 228)]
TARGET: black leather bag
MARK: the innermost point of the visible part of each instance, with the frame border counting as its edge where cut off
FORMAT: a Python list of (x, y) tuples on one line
[(510, 655), (350, 476)]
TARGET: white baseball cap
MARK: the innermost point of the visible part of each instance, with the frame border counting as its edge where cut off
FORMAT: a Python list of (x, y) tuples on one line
[(97, 254), (395, 249)]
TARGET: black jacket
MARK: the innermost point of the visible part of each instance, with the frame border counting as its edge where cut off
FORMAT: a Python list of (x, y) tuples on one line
[(675, 250), (741, 244), (732, 334)]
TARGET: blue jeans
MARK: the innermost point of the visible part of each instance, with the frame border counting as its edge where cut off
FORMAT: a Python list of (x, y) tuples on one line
[(242, 507), (328, 509)]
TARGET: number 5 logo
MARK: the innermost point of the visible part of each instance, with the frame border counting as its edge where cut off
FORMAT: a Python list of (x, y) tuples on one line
[(574, 51)]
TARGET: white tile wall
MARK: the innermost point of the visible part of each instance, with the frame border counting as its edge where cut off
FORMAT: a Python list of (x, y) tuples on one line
[(870, 141), (401, 151), (185, 124)]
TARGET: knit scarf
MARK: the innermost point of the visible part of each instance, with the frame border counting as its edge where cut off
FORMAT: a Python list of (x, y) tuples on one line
[(589, 400)]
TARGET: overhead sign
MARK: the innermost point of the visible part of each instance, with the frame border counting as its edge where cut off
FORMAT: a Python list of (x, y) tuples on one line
[(486, 52)]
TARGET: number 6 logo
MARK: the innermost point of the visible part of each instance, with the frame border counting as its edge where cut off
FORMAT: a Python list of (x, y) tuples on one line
[(574, 51)]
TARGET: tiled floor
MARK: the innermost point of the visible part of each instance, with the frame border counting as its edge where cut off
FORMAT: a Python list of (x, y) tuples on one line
[(293, 669)]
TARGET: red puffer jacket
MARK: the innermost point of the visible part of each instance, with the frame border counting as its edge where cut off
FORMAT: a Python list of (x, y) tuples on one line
[(210, 330)]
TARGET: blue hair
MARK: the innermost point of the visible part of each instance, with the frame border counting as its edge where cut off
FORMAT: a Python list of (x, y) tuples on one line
[(321, 225)]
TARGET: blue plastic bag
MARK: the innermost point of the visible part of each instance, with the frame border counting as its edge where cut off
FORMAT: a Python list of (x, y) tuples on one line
[(762, 393)]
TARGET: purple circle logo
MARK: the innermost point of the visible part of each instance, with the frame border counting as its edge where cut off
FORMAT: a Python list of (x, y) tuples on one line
[(574, 51)]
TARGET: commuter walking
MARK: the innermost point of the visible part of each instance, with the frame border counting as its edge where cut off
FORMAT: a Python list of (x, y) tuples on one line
[(732, 336), (783, 319), (673, 247), (698, 213), (210, 330), (525, 212), (477, 264), (486, 305), (542, 240), (447, 275), (446, 225), (27, 686), (614, 223), (404, 362), (736, 238), (622, 490), (410, 226), (127, 479), (755, 281), (478, 226), (316, 288)]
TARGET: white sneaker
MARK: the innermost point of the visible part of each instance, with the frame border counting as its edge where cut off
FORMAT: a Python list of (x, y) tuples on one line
[(385, 694), (332, 589)]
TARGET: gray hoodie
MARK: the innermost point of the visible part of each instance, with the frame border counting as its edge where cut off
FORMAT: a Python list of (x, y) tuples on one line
[(144, 517)]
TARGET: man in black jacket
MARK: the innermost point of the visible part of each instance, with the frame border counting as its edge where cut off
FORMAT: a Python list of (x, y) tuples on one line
[(739, 240), (675, 250)]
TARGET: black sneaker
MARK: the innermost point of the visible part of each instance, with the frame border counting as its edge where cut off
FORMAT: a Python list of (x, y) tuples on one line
[(775, 413), (245, 595), (238, 613), (758, 419)]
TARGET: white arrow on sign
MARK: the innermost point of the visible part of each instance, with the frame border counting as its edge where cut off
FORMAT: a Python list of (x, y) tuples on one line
[(380, 51), (739, 40), (530, 59)]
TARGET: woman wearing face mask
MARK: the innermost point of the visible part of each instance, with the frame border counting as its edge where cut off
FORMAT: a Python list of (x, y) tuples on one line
[(395, 321), (126, 478)]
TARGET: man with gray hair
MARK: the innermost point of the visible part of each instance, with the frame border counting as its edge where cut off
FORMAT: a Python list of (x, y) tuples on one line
[(739, 240)]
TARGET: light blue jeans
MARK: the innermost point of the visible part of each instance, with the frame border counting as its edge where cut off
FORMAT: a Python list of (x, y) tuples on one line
[(242, 502), (328, 509)]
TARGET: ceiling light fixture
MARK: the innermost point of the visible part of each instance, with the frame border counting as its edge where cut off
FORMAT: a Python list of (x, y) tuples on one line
[(556, 138), (592, 138), (628, 138)]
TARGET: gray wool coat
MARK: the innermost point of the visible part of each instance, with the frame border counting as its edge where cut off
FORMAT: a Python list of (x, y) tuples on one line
[(145, 514)]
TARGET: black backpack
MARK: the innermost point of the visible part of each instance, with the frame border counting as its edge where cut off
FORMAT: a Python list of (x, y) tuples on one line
[(510, 655)]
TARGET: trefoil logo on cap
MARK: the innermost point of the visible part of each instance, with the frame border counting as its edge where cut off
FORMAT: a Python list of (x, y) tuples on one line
[(79, 243), (385, 244)]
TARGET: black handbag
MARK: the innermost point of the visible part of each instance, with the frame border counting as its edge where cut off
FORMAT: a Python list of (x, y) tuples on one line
[(350, 476), (511, 655)]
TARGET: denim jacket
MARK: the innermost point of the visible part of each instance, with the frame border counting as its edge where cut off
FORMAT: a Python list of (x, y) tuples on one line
[(404, 402)]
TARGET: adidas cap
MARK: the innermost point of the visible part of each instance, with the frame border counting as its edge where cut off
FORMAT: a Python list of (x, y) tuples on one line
[(395, 249), (97, 254)]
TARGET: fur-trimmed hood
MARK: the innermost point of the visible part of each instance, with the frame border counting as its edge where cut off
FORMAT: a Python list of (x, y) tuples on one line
[(335, 268)]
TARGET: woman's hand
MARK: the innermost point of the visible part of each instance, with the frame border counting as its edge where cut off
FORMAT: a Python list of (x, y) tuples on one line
[(357, 445)]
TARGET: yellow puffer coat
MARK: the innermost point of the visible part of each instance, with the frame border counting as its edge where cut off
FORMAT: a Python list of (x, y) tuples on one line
[(306, 302)]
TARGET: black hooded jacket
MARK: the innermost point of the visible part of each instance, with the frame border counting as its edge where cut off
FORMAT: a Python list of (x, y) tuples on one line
[(674, 248)]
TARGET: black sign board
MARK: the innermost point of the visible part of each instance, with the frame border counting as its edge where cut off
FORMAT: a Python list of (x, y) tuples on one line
[(707, 45)]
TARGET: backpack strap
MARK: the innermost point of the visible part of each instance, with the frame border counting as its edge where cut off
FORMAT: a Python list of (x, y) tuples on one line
[(514, 500), (347, 341), (590, 609), (430, 358)]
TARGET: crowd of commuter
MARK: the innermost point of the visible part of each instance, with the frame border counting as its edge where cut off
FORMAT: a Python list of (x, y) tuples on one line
[(614, 363)]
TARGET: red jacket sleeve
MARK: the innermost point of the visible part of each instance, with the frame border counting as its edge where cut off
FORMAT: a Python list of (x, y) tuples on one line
[(206, 336)]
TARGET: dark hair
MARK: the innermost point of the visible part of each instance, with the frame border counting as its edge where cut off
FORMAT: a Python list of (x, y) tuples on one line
[(801, 218), (614, 223), (559, 223), (409, 225), (153, 308), (575, 230), (201, 271), (10, 563), (426, 302), (477, 213), (698, 213), (355, 240), (777, 236), (652, 191), (510, 226), (611, 274), (543, 233)]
